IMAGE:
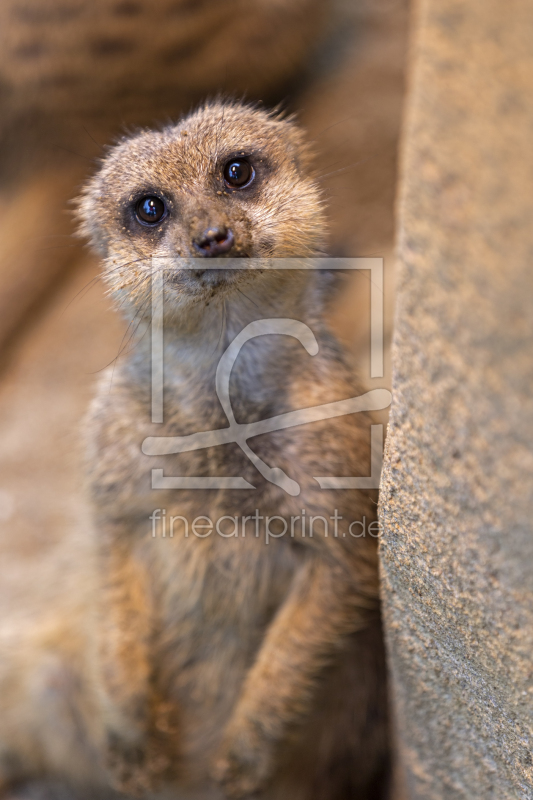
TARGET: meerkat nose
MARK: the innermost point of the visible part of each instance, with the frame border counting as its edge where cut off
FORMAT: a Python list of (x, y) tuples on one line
[(214, 241)]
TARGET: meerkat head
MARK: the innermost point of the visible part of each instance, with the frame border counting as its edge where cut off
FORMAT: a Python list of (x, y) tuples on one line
[(229, 181)]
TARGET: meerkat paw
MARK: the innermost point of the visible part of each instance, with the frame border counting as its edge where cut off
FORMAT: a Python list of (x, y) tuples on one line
[(126, 765), (137, 767), (244, 763)]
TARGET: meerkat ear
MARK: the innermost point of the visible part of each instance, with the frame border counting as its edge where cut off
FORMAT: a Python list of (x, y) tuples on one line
[(81, 214), (298, 148), (303, 151), (87, 227)]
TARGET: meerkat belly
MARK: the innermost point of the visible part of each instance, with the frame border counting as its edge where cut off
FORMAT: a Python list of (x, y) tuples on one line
[(217, 594)]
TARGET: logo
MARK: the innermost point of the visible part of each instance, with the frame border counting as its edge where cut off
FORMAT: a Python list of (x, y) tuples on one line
[(374, 400)]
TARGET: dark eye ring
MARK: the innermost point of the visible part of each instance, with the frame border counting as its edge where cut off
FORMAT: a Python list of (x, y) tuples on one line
[(238, 173), (150, 210)]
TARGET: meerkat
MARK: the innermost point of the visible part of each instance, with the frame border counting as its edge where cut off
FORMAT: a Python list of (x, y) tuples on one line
[(239, 659)]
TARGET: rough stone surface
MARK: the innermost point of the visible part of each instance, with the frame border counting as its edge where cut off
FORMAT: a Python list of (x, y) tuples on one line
[(456, 504)]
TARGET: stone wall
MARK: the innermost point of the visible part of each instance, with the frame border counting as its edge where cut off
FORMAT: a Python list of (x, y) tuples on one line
[(456, 504)]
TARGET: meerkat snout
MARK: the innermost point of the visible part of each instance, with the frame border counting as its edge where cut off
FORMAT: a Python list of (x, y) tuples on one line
[(219, 239), (214, 241)]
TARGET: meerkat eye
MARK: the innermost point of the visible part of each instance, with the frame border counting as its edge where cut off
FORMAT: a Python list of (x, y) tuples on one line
[(150, 210), (238, 173)]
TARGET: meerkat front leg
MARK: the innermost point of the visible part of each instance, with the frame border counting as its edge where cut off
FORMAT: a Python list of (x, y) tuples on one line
[(321, 609), (123, 660)]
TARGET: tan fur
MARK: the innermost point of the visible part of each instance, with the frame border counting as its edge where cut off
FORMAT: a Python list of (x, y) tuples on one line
[(225, 664)]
